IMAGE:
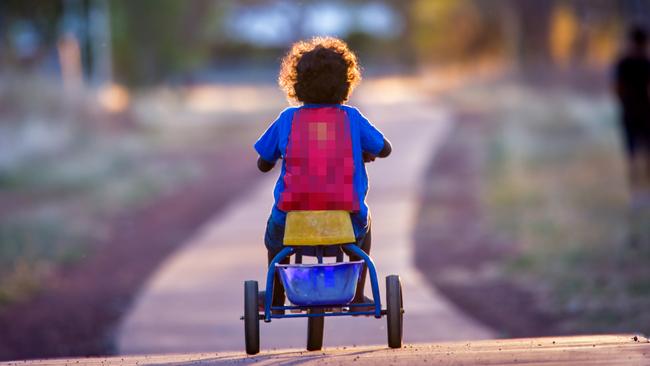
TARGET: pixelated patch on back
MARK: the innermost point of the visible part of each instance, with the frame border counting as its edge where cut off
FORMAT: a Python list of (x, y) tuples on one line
[(319, 167)]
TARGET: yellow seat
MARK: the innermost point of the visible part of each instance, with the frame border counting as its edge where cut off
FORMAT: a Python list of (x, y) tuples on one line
[(310, 228)]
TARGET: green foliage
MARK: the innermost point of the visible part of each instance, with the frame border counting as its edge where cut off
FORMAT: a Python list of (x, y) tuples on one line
[(44, 14), (153, 39), (455, 30), (29, 245)]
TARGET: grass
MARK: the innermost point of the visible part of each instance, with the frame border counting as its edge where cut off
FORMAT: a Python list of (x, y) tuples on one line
[(61, 185), (68, 205), (554, 183), (30, 247)]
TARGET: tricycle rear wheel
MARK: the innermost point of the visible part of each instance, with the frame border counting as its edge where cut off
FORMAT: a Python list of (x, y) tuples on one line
[(251, 318), (315, 326), (394, 311)]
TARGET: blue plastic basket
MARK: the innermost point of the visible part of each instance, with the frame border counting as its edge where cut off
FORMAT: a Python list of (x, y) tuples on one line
[(320, 284)]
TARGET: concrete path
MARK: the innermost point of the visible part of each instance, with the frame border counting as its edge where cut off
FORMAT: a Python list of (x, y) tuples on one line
[(194, 301), (629, 350)]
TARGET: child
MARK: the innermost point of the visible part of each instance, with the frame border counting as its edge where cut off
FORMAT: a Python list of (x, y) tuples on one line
[(323, 145)]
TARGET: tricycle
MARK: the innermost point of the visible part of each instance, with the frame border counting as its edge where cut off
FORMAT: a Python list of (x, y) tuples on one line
[(322, 289)]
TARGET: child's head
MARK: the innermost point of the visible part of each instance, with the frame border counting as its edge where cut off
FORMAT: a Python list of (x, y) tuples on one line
[(322, 70)]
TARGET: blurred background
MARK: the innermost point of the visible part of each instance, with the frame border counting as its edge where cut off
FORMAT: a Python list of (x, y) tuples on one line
[(124, 125)]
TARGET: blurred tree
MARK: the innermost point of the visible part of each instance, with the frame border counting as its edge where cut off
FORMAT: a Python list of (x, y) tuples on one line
[(532, 24), (563, 34), (33, 31), (26, 24), (530, 34), (445, 29), (455, 30), (155, 39), (405, 43)]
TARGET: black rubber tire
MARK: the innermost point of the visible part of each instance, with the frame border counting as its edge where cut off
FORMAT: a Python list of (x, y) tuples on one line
[(251, 318), (315, 326), (394, 311)]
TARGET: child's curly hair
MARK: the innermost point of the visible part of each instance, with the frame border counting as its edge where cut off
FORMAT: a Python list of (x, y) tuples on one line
[(322, 70)]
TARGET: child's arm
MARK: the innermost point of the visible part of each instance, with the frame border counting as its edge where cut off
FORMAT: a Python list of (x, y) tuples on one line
[(385, 151), (267, 146), (373, 142)]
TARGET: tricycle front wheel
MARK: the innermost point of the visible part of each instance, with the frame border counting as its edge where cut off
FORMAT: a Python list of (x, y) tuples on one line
[(251, 318), (394, 311)]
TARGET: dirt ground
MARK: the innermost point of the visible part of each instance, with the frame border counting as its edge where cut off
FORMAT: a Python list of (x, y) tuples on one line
[(79, 307)]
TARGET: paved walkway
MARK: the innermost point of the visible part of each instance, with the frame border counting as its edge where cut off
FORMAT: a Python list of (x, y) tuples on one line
[(193, 302)]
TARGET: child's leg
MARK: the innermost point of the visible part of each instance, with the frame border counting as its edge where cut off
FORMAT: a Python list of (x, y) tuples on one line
[(365, 246), (278, 289), (273, 241)]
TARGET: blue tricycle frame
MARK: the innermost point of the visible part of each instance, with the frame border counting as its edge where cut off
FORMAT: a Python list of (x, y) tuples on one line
[(316, 313)]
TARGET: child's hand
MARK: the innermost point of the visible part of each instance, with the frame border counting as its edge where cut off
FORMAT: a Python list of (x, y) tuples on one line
[(368, 157), (263, 165)]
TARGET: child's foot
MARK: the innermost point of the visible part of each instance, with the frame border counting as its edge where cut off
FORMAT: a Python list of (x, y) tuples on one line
[(261, 300), (364, 300)]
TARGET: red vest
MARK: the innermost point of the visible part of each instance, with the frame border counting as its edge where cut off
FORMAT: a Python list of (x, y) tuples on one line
[(319, 167)]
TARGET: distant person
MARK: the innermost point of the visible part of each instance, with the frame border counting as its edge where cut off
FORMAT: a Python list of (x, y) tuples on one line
[(323, 145), (632, 85)]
